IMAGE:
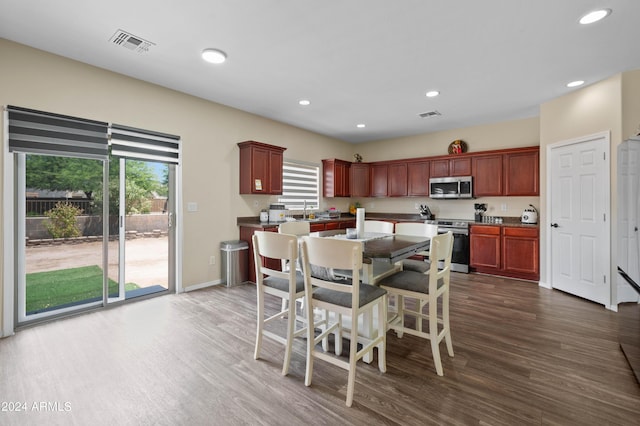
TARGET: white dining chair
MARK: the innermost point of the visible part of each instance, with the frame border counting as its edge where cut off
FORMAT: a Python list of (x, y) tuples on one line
[(380, 226), (419, 229), (425, 289), (297, 228), (343, 298), (287, 285)]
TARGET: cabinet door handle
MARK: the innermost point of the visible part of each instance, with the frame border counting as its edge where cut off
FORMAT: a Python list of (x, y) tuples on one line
[(554, 225)]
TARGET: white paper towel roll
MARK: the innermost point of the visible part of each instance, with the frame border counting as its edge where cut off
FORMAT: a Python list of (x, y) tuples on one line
[(360, 222)]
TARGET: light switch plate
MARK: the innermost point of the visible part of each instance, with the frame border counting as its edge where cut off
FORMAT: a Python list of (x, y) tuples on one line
[(192, 207)]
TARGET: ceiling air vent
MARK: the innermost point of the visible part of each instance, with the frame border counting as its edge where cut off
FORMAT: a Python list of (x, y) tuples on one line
[(131, 42), (429, 114)]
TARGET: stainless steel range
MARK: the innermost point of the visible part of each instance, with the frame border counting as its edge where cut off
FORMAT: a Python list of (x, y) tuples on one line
[(460, 230)]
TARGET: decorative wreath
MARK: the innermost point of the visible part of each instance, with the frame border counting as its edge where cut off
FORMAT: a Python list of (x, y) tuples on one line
[(457, 147)]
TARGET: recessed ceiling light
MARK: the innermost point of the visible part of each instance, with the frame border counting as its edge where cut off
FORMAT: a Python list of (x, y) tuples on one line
[(214, 56), (595, 16), (361, 126), (575, 83), (304, 102), (432, 94)]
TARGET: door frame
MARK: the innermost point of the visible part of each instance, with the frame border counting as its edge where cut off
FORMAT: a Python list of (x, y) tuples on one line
[(606, 136), (9, 300)]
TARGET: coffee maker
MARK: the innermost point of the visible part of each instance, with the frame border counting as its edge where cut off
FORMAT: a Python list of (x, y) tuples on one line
[(480, 209)]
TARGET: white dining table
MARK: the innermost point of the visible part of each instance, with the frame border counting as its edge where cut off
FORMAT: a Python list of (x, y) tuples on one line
[(381, 254)]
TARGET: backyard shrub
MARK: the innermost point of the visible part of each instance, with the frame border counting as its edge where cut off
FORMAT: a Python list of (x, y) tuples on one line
[(62, 220)]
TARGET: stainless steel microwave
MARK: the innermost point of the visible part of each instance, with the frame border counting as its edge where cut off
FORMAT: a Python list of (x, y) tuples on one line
[(451, 187)]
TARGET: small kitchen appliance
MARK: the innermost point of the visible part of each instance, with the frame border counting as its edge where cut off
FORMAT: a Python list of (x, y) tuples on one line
[(277, 213), (480, 209), (530, 215)]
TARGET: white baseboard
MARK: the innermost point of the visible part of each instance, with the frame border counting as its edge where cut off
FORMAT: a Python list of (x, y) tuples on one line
[(202, 285), (545, 285)]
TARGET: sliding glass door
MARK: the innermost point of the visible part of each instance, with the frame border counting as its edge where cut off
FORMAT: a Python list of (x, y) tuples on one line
[(142, 203), (93, 213), (60, 235)]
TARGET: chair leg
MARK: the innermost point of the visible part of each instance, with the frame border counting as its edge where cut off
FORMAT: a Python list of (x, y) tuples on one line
[(353, 350), (445, 322), (382, 331), (311, 344), (420, 309), (291, 328), (260, 325), (338, 336), (325, 319), (400, 308), (433, 333)]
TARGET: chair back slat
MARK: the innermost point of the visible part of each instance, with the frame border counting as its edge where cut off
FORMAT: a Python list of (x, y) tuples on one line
[(417, 228)]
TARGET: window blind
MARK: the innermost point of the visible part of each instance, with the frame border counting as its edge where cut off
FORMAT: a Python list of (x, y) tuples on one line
[(300, 183), (139, 144), (39, 132)]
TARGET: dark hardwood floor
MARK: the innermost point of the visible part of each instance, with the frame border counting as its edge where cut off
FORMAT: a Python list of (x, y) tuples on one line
[(524, 355)]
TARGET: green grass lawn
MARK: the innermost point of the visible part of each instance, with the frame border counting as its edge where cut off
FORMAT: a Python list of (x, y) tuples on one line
[(46, 290)]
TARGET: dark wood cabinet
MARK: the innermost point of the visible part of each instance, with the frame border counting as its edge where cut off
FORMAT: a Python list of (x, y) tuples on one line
[(379, 180), (487, 175), (359, 179), (522, 173), (246, 233), (397, 179), (507, 172), (335, 178), (506, 251), (520, 253), (347, 224), (260, 168), (445, 167), (484, 247), (418, 173)]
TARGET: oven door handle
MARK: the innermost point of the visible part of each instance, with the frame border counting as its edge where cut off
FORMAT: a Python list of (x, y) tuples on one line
[(455, 231)]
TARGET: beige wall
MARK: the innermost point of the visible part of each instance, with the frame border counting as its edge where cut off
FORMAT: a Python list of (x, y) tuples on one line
[(34, 79), (511, 134), (630, 104), (593, 109)]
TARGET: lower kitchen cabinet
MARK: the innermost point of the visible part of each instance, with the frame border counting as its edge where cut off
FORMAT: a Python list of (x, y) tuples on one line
[(484, 248), (520, 249), (507, 251), (246, 232)]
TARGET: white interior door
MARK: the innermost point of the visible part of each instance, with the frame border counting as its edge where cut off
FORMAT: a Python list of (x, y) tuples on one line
[(579, 217)]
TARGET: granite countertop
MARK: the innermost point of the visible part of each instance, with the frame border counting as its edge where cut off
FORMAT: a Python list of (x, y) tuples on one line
[(254, 221)]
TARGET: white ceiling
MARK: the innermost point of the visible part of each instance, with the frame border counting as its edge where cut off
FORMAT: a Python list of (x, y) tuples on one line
[(357, 61)]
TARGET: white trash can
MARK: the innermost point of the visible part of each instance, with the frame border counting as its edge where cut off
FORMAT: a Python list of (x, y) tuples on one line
[(235, 262)]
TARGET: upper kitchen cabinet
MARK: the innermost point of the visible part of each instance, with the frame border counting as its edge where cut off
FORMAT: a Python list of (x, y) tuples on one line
[(379, 179), (522, 172), (445, 167), (418, 173), (397, 179), (513, 172), (335, 178), (260, 168), (359, 179), (487, 175)]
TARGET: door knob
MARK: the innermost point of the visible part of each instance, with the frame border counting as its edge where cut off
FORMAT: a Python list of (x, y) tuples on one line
[(554, 225)]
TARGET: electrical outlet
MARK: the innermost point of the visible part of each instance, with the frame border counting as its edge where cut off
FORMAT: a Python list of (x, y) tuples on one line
[(256, 203), (212, 260), (504, 207), (416, 206)]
